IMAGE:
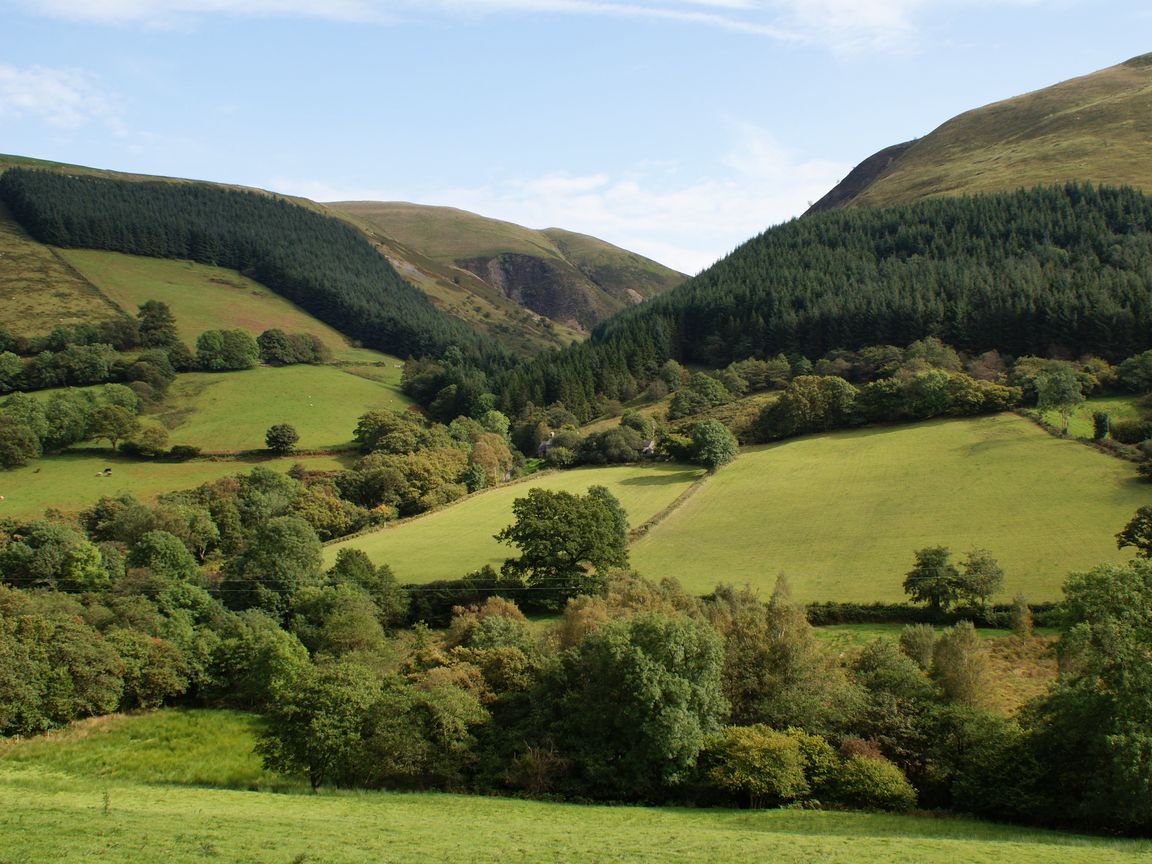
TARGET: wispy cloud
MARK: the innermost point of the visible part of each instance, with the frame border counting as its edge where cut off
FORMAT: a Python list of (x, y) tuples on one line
[(63, 98), (684, 222), (841, 25)]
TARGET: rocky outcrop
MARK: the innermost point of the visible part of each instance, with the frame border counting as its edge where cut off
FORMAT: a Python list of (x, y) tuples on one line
[(544, 286)]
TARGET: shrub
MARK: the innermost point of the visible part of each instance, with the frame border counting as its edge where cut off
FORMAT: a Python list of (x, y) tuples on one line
[(183, 452), (918, 641), (873, 784), (1101, 425), (757, 764), (1131, 431)]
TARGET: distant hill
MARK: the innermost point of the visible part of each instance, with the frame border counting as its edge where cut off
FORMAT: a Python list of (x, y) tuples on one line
[(1095, 128), (528, 289), (480, 268)]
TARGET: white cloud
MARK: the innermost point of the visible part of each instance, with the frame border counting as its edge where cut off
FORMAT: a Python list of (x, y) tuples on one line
[(685, 223), (64, 98), (842, 25)]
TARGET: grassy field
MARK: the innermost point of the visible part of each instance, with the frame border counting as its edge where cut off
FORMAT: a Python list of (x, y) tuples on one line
[(147, 789), (70, 482), (229, 411), (1118, 407), (454, 541), (206, 298), (39, 290), (1095, 128), (842, 514)]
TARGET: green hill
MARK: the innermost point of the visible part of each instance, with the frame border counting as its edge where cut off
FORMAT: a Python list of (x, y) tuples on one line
[(173, 787), (1094, 128), (485, 270), (1061, 269), (530, 289)]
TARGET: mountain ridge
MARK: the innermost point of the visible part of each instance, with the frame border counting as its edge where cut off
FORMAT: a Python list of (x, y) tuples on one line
[(1091, 128)]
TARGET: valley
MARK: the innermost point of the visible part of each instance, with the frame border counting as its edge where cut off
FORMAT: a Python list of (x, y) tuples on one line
[(838, 550)]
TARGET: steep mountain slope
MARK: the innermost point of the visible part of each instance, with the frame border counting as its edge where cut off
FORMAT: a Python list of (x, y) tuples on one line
[(1094, 128), (467, 260)]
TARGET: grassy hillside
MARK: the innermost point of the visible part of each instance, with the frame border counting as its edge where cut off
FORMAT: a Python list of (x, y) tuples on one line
[(1093, 128), (138, 789), (39, 290), (486, 270), (451, 542), (72, 482), (204, 298), (842, 514), (229, 411)]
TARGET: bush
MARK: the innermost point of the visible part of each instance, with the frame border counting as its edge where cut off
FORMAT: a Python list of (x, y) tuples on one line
[(873, 784), (756, 764), (183, 452), (918, 641), (1131, 431)]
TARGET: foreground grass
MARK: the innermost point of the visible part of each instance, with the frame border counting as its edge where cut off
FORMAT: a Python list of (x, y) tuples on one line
[(202, 298), (457, 540), (70, 482), (229, 411), (57, 807), (842, 514)]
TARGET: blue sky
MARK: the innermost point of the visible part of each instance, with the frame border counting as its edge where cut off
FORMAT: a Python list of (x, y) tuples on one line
[(676, 128)]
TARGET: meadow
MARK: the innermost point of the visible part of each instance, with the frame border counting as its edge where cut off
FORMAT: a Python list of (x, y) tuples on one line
[(449, 543), (167, 787), (72, 481), (230, 411), (203, 297), (842, 514)]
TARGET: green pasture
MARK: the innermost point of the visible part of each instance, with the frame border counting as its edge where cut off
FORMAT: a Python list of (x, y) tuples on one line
[(72, 481), (229, 411), (449, 543), (842, 514), (203, 297), (146, 789)]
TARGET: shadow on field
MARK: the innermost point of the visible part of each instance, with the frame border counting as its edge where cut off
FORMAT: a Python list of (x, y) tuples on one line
[(667, 478)]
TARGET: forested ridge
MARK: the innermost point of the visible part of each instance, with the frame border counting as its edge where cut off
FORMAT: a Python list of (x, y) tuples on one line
[(1047, 271), (315, 261)]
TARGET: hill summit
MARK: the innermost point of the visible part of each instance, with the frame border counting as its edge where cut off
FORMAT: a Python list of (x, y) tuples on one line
[(1094, 128)]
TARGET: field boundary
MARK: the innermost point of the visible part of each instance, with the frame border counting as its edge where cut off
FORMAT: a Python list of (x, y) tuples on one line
[(646, 526), (92, 286)]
